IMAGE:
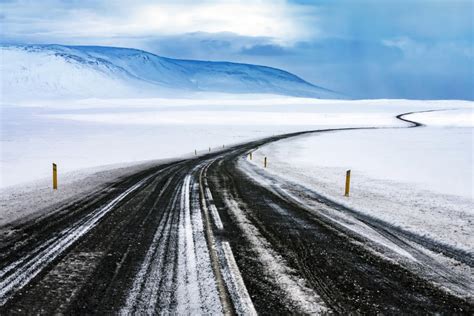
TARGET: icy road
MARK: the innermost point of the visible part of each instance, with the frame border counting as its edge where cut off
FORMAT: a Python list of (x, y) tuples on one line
[(204, 236)]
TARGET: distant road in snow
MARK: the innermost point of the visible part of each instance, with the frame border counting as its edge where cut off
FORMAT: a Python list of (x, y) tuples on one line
[(204, 236)]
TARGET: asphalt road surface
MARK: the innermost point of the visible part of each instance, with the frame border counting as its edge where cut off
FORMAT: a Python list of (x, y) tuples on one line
[(202, 236)]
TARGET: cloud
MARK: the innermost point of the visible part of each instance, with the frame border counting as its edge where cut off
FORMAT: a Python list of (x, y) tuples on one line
[(366, 48), (107, 19), (436, 50), (375, 19), (202, 45), (265, 50)]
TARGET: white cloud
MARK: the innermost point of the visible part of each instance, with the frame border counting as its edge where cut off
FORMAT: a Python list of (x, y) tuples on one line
[(275, 19)]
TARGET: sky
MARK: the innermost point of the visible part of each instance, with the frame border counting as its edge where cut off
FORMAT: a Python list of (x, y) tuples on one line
[(419, 49)]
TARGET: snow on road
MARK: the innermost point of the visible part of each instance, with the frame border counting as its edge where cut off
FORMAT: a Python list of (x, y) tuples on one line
[(296, 295), (420, 179), (18, 273)]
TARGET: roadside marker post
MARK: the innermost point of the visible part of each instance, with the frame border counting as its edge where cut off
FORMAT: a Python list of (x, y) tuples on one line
[(209, 149), (348, 182), (195, 152), (265, 162), (250, 155), (55, 177)]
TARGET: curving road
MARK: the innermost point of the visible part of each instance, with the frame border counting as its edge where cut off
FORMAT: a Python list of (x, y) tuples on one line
[(209, 236)]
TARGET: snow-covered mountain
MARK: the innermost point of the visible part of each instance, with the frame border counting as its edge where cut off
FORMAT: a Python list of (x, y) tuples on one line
[(36, 71)]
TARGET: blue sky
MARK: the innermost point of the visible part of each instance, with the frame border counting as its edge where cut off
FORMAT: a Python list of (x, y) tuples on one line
[(367, 49)]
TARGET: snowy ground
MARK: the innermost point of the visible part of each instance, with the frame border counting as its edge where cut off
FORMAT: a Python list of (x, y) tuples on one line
[(420, 179), (87, 133), (81, 134), (35, 198)]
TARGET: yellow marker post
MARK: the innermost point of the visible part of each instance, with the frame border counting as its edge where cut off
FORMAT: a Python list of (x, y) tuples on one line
[(265, 162), (348, 182), (55, 177), (250, 155)]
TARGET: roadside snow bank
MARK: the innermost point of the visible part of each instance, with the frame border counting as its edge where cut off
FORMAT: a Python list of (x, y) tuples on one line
[(419, 179), (33, 199)]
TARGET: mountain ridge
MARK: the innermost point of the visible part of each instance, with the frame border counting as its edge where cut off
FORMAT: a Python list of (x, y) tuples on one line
[(42, 70)]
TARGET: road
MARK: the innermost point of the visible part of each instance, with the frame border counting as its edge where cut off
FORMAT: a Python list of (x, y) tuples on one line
[(202, 236)]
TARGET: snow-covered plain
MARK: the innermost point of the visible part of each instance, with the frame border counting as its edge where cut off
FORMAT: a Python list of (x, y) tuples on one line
[(83, 134), (89, 133), (420, 179)]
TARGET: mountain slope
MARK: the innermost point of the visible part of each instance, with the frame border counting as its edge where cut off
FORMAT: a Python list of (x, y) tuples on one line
[(94, 71)]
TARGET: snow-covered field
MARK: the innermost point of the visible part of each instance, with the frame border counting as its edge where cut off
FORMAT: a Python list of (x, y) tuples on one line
[(89, 133), (420, 179), (81, 134)]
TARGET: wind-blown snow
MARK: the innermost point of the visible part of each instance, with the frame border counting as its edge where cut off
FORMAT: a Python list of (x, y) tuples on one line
[(420, 179), (55, 71)]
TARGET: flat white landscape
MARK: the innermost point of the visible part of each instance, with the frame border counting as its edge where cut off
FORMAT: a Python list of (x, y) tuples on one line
[(90, 136), (419, 179), (79, 134)]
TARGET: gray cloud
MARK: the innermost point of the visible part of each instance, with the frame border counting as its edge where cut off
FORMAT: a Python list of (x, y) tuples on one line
[(266, 50)]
